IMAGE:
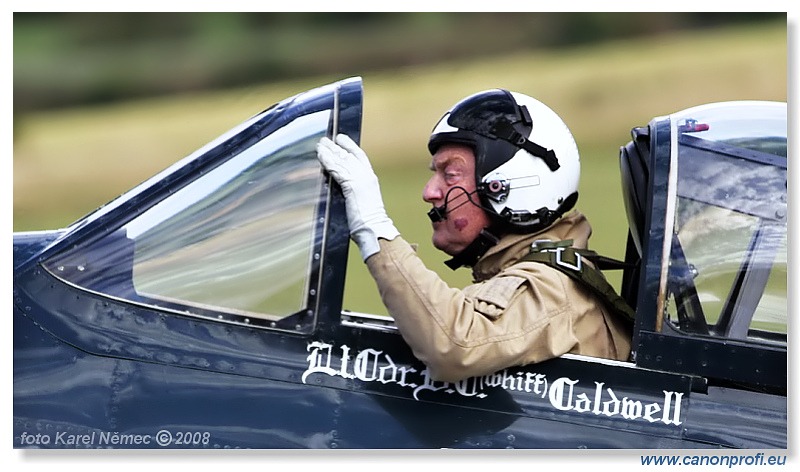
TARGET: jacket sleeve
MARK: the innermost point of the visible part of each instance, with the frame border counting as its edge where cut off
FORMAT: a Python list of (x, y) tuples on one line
[(504, 321)]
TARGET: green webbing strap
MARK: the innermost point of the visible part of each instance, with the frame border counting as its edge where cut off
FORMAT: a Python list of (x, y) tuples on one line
[(562, 256)]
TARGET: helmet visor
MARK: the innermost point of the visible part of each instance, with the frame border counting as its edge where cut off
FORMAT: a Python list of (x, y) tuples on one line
[(480, 112)]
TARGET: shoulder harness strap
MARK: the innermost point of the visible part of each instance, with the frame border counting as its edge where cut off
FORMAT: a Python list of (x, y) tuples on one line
[(562, 256)]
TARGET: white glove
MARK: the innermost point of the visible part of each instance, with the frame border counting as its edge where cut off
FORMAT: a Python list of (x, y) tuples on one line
[(366, 216)]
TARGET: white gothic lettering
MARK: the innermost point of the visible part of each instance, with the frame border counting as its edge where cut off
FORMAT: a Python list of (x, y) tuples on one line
[(372, 365)]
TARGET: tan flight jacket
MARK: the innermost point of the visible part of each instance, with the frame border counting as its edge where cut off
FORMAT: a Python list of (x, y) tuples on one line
[(515, 313)]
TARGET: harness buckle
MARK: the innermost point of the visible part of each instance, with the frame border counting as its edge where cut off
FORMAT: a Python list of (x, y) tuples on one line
[(547, 245), (578, 260)]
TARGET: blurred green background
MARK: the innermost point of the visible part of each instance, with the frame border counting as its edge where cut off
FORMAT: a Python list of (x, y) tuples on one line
[(103, 101)]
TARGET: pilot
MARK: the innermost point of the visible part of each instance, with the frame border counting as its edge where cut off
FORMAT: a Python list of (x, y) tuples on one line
[(505, 177)]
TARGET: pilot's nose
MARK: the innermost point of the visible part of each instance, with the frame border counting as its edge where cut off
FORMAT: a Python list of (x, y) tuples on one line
[(432, 193)]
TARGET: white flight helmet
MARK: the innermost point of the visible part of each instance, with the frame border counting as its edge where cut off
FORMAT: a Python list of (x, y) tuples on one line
[(527, 165)]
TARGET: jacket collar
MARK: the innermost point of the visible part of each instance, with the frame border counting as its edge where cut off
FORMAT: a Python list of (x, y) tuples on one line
[(512, 247)]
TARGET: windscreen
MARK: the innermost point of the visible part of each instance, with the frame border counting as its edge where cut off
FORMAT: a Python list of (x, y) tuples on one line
[(240, 243)]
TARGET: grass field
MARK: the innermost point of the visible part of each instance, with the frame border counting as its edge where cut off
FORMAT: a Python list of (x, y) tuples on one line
[(69, 162)]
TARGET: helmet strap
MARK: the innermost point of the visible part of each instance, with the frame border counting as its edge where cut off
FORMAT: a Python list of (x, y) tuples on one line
[(476, 249), (526, 222), (504, 130)]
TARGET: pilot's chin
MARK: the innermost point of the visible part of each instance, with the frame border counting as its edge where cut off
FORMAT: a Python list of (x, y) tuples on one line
[(443, 247)]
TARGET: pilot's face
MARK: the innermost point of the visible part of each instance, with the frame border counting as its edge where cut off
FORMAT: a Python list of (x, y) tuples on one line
[(453, 169)]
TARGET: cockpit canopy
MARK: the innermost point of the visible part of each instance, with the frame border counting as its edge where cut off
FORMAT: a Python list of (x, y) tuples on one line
[(723, 246)]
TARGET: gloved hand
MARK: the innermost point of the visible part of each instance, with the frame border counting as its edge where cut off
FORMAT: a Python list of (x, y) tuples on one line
[(366, 216)]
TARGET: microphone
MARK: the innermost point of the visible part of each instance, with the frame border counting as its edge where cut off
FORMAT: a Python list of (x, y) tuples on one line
[(437, 214)]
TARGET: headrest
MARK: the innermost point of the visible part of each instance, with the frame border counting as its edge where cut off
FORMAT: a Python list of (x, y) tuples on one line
[(634, 160)]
